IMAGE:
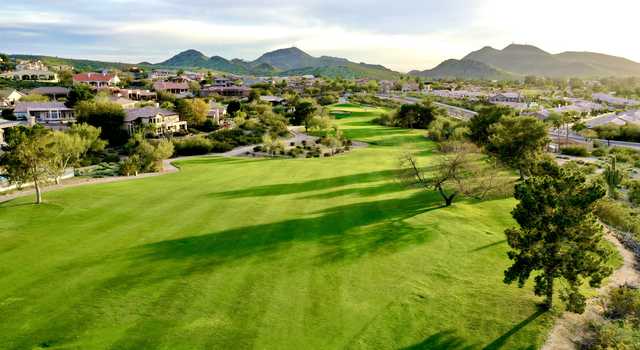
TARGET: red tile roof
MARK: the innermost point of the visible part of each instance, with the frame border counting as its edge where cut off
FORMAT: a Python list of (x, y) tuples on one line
[(86, 77), (167, 85)]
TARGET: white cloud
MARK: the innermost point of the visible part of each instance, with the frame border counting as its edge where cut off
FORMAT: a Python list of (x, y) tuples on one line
[(248, 28)]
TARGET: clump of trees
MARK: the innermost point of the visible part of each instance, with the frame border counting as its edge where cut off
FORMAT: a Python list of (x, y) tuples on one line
[(38, 155), (480, 125), (146, 155), (193, 111), (107, 116), (413, 116), (518, 141), (558, 237)]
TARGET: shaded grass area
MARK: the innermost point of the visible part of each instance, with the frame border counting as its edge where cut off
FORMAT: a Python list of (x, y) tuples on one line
[(269, 254)]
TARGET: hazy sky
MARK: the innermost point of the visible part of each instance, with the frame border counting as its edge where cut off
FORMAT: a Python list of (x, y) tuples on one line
[(402, 35)]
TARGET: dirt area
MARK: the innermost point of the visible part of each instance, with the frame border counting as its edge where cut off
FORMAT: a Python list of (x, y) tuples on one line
[(568, 328)]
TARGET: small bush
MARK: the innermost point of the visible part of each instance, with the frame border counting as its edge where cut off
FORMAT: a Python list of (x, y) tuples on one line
[(634, 191), (599, 152), (618, 215), (608, 335), (257, 148), (575, 151), (192, 146), (623, 303), (326, 155), (220, 147)]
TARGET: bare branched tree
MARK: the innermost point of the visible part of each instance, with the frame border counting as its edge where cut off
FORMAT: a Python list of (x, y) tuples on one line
[(459, 173)]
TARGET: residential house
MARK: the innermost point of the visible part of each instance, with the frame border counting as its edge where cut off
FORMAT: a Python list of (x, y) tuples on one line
[(137, 94), (619, 119), (125, 103), (98, 80), (274, 100), (43, 76), (161, 74), (386, 86), (53, 92), (6, 124), (509, 97), (159, 120), (172, 87), (410, 87), (47, 113), (231, 91), (614, 101), (222, 82), (9, 97), (216, 112), (31, 65)]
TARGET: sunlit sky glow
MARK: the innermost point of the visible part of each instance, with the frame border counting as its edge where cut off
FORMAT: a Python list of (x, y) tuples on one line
[(401, 35)]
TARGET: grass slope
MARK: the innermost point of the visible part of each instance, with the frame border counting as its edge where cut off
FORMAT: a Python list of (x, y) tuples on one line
[(267, 254)]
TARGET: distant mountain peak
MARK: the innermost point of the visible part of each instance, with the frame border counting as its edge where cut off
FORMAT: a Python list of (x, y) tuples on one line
[(523, 48), (192, 52)]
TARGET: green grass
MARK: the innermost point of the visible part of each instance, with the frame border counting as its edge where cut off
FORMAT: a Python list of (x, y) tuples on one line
[(266, 254)]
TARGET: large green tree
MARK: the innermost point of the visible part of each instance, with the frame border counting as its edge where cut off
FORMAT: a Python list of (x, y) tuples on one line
[(194, 111), (107, 116), (29, 156), (419, 115), (558, 236), (79, 93), (304, 110), (479, 126), (518, 141)]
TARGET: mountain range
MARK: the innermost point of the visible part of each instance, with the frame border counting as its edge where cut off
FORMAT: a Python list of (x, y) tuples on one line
[(511, 63), (289, 61), (516, 61)]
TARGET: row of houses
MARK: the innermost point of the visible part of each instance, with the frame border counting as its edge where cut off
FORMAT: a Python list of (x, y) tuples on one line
[(57, 115)]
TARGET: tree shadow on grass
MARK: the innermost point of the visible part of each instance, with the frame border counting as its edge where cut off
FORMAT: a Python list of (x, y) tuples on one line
[(307, 186), (499, 342), (338, 232), (445, 340), (387, 187), (487, 246)]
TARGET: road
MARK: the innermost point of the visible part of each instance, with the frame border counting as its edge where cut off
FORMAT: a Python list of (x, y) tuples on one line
[(453, 111), (577, 138)]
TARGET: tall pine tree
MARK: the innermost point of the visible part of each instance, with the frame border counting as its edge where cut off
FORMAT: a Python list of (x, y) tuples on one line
[(559, 237)]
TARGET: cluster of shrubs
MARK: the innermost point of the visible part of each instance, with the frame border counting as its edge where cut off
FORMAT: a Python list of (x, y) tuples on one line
[(576, 151), (236, 137), (620, 216), (620, 328), (105, 169), (623, 155), (218, 142), (372, 100), (199, 145)]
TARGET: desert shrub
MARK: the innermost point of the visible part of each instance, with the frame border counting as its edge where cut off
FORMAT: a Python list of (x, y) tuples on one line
[(624, 303), (576, 151), (295, 152), (634, 191), (235, 137), (192, 146), (618, 215), (384, 119), (208, 126), (220, 147), (611, 335)]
